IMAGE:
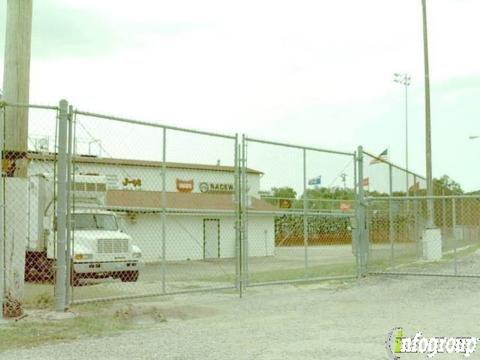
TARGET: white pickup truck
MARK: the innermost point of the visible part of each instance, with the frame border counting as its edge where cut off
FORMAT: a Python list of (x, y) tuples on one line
[(99, 248)]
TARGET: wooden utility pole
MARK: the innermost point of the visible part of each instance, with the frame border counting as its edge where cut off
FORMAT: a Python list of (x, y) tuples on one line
[(16, 75), (16, 83)]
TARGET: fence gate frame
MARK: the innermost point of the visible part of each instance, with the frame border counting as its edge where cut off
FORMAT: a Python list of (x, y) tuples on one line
[(359, 237)]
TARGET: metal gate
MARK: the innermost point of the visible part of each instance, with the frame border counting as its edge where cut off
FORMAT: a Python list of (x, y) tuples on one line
[(299, 222), (163, 184)]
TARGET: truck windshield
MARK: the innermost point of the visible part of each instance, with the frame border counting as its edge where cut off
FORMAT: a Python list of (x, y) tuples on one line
[(95, 222)]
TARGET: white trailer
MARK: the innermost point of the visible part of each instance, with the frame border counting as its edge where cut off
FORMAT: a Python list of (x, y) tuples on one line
[(99, 247)]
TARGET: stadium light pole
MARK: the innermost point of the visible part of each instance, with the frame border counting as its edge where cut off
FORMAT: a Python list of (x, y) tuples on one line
[(428, 123), (405, 80)]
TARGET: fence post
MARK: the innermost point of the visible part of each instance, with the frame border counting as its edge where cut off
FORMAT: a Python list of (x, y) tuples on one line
[(355, 174), (69, 251), (164, 210), (362, 236), (244, 197), (444, 213), (2, 217), (238, 219), (454, 224), (61, 268), (391, 230), (305, 218), (415, 218)]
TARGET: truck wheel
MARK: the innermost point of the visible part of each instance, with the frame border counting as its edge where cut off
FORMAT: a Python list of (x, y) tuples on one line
[(129, 276), (38, 268)]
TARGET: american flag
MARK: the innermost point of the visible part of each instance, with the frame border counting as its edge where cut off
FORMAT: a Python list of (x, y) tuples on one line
[(381, 158)]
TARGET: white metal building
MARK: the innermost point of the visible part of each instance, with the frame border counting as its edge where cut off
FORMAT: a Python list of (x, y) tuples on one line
[(199, 205)]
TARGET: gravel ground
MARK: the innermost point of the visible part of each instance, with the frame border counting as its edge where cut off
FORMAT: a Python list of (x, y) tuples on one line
[(320, 321)]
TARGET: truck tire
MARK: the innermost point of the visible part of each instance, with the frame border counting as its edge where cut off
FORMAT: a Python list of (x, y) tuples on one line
[(38, 268), (129, 276)]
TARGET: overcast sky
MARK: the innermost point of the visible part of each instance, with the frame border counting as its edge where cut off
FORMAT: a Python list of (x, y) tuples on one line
[(318, 73)]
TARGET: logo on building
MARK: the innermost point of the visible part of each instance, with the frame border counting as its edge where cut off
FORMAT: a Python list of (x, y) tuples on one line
[(185, 186), (206, 187), (135, 183)]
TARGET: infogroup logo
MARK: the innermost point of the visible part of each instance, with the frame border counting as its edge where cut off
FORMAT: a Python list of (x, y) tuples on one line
[(397, 343)]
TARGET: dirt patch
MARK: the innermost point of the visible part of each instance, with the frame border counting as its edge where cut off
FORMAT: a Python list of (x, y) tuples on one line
[(149, 313), (140, 315)]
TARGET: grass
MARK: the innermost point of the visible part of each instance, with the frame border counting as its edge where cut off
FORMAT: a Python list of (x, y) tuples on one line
[(462, 252), (92, 320), (40, 296), (409, 262), (28, 334), (338, 269)]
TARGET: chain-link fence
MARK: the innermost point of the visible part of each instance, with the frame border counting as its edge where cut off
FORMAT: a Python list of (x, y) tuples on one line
[(153, 209), (401, 242), (405, 236), (298, 214), (390, 223), (97, 207), (28, 206)]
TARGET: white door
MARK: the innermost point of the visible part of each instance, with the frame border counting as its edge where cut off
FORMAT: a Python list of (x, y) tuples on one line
[(211, 238)]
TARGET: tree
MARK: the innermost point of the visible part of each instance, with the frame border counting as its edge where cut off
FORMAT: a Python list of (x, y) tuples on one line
[(445, 183), (329, 193), (284, 193), (283, 197)]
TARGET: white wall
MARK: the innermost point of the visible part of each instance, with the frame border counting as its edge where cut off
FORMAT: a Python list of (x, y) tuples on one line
[(152, 177), (184, 236), (261, 235)]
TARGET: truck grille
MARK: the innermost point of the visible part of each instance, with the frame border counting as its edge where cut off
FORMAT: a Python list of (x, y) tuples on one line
[(112, 246)]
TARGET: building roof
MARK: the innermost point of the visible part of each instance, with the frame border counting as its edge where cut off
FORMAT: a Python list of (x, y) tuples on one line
[(86, 159), (141, 200)]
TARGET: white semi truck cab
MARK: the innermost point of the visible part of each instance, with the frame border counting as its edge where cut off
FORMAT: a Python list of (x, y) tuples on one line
[(99, 247)]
